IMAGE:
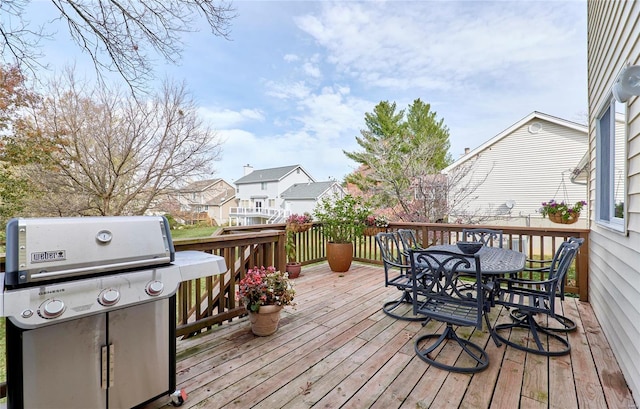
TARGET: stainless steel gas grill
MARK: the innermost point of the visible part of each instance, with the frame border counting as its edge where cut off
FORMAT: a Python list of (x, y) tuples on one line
[(91, 310)]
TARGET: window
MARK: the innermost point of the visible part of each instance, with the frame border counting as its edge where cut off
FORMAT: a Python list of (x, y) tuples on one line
[(263, 185), (611, 139)]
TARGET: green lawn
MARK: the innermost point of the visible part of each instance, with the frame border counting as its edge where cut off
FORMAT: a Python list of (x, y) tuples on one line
[(193, 232)]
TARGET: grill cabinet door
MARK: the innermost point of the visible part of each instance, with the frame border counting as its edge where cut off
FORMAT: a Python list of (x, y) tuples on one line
[(140, 339), (62, 365)]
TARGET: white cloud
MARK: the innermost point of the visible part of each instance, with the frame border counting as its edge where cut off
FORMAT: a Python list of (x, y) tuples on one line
[(287, 90), (226, 118), (311, 70)]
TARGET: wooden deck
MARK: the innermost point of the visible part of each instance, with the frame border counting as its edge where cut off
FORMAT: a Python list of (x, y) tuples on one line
[(337, 349)]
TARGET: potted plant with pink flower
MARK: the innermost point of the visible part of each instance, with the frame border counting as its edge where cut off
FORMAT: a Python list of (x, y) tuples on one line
[(264, 292)]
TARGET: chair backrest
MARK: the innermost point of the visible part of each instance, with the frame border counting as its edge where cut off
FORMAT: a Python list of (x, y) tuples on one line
[(393, 258), (488, 237), (435, 276), (408, 239), (576, 240), (561, 262)]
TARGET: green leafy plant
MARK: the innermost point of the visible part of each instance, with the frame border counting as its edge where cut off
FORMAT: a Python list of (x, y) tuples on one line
[(265, 286), (290, 246), (342, 218), (564, 210)]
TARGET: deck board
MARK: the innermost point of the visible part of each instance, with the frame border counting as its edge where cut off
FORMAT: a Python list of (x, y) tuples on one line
[(337, 349)]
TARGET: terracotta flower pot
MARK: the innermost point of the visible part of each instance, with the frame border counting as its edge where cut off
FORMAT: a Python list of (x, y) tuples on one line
[(265, 321), (293, 269), (339, 256)]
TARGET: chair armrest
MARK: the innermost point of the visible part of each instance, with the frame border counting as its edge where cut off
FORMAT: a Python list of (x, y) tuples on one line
[(391, 263), (511, 281), (532, 260), (536, 269), (542, 268)]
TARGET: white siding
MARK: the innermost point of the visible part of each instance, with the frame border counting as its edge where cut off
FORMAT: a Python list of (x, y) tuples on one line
[(614, 257), (528, 168)]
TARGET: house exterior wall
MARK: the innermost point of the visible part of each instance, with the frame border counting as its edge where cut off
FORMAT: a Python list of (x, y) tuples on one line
[(221, 213), (614, 257), (528, 166)]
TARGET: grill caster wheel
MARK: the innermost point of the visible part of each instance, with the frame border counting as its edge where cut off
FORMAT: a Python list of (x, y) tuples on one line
[(178, 397)]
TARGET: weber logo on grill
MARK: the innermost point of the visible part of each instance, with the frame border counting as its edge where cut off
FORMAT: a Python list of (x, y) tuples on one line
[(46, 256)]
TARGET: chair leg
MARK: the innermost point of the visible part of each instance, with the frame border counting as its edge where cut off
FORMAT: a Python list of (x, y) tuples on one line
[(527, 321), (389, 307), (494, 337), (567, 324), (479, 355)]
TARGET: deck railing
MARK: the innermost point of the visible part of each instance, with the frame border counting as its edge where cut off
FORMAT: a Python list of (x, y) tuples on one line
[(212, 301)]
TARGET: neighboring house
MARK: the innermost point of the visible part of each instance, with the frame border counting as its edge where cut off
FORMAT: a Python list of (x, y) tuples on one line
[(505, 180), (614, 183), (303, 197), (259, 194), (207, 201)]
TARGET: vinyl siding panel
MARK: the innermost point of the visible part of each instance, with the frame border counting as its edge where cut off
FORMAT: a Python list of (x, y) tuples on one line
[(614, 257), (529, 169)]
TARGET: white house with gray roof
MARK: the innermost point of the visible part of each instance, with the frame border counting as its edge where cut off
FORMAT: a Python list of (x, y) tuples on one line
[(259, 194), (303, 197)]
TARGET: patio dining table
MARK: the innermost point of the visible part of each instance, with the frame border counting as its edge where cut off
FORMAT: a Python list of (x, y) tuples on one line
[(493, 260)]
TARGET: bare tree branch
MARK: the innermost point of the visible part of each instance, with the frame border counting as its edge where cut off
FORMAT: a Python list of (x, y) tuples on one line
[(119, 36)]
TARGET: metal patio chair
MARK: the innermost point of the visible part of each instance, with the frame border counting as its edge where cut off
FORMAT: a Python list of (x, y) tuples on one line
[(488, 237), (442, 300), (397, 273), (535, 297), (543, 267), (408, 239)]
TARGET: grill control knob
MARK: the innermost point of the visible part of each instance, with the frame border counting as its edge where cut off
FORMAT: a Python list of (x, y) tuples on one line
[(109, 297), (154, 288), (51, 309)]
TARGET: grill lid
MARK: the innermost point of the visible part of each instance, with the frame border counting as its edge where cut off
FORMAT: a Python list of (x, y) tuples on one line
[(40, 249)]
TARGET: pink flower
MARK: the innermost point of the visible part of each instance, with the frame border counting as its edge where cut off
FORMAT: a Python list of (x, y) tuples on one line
[(265, 286)]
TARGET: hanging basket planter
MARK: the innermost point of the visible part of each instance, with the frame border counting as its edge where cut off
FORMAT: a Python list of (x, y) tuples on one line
[(372, 230), (298, 227), (556, 210), (557, 218)]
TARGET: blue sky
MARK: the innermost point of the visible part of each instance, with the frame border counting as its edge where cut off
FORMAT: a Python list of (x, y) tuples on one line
[(293, 84)]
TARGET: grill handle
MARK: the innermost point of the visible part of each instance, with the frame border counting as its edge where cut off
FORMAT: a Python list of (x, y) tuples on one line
[(106, 379)]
